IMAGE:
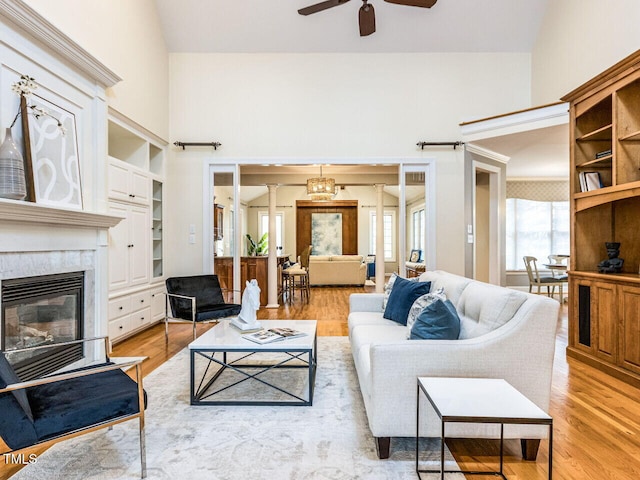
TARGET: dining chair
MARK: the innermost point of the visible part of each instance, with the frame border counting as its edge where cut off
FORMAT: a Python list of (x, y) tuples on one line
[(537, 280)]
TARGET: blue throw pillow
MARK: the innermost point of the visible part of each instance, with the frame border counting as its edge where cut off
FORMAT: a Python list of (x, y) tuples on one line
[(403, 294), (438, 321)]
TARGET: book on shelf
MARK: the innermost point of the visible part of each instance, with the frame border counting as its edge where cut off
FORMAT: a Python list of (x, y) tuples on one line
[(604, 153), (273, 335), (590, 181)]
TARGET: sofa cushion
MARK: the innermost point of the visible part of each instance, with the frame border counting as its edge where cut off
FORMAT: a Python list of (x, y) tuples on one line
[(422, 302), (401, 298), (453, 285), (438, 321), (356, 319), (490, 306), (319, 258), (346, 258)]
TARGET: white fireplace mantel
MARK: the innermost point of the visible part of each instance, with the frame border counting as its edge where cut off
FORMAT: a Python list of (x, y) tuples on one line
[(16, 211)]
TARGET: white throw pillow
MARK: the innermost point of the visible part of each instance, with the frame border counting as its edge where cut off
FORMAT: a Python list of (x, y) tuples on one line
[(420, 304)]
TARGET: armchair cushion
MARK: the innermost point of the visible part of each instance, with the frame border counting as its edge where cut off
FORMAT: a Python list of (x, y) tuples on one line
[(218, 311), (206, 289), (403, 294), (16, 421), (65, 406), (438, 321), (7, 377)]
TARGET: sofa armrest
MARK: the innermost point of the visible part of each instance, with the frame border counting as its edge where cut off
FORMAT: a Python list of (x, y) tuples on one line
[(366, 302)]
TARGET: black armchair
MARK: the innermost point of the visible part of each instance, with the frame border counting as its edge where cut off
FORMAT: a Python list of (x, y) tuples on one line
[(48, 410), (196, 299)]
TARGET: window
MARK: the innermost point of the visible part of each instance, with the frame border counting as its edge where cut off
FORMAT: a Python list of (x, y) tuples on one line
[(537, 229), (263, 219), (389, 235), (418, 229)]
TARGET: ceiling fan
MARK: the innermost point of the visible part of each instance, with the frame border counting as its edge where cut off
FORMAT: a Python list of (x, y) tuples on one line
[(366, 14)]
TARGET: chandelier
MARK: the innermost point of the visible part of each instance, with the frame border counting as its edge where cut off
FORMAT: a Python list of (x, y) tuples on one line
[(321, 188)]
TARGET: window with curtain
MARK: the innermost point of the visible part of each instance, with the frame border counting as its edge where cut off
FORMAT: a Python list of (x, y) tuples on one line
[(535, 228), (389, 235)]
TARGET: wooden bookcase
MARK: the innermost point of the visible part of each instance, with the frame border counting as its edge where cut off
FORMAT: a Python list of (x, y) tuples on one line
[(604, 312)]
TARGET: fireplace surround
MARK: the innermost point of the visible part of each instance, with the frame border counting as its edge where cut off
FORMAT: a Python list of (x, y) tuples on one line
[(42, 310)]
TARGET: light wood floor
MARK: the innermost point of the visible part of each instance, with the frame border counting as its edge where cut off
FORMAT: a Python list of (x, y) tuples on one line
[(596, 417)]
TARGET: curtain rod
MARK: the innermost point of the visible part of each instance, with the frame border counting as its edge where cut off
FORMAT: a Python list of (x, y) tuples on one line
[(439, 144), (215, 145)]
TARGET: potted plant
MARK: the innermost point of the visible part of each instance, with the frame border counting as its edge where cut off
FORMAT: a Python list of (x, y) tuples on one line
[(259, 248)]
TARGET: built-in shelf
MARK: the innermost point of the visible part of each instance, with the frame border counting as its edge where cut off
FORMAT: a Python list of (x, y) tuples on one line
[(33, 213), (601, 196), (603, 133), (631, 137), (591, 163)]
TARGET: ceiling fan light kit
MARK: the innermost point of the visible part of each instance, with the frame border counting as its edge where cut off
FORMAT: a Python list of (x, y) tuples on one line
[(366, 13)]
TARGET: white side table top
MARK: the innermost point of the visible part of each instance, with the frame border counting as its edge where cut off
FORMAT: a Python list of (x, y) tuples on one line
[(480, 398), (225, 336)]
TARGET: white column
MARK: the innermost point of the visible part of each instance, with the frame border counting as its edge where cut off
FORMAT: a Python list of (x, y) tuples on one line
[(272, 262), (380, 239)]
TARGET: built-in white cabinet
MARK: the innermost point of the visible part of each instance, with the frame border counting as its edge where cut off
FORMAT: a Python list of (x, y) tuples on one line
[(135, 177), (158, 299), (128, 183), (129, 314), (129, 255)]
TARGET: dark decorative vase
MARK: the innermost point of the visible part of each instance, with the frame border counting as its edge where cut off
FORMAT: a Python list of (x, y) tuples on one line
[(613, 264), (12, 180)]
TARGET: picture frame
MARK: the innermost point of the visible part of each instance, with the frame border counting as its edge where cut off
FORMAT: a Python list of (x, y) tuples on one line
[(414, 256), (53, 155)]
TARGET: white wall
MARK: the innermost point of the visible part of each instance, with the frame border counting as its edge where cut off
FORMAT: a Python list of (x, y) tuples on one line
[(579, 39), (126, 36), (285, 107)]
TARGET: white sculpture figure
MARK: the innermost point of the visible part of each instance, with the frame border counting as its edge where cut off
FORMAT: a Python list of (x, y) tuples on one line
[(246, 320)]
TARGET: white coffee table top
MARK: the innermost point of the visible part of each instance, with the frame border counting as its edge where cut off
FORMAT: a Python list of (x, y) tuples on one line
[(480, 398), (225, 336)]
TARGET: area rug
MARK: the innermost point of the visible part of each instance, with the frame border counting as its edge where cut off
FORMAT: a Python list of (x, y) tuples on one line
[(327, 441)]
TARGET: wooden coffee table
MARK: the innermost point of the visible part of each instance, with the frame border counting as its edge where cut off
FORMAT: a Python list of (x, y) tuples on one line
[(223, 349), (478, 400)]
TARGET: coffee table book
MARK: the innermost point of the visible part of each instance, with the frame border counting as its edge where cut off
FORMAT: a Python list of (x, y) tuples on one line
[(273, 335)]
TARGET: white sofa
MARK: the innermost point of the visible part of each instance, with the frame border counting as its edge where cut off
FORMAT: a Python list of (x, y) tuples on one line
[(337, 270), (504, 334)]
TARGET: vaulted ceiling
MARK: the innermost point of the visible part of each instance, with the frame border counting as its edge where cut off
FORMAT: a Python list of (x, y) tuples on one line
[(243, 26), (276, 26)]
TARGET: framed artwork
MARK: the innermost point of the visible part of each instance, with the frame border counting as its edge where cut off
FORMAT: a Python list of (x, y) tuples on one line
[(415, 255), (326, 233), (53, 152)]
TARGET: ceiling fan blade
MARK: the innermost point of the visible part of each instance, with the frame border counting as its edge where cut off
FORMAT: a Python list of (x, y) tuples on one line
[(414, 3), (319, 7), (367, 20)]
